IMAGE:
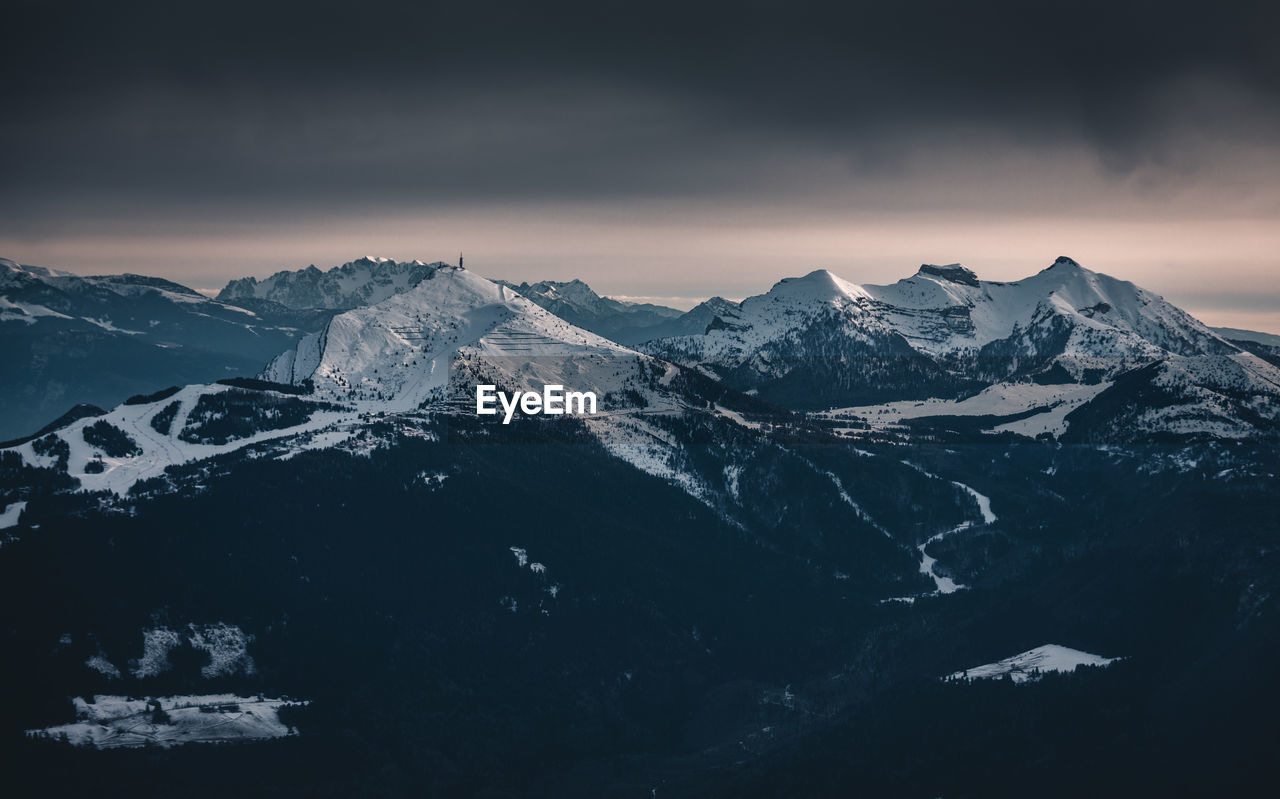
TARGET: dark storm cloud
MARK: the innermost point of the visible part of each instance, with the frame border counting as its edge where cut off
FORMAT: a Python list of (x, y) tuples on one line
[(234, 108)]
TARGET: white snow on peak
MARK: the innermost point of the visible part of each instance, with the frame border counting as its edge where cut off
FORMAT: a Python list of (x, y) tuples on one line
[(1032, 664), (435, 342), (1095, 302), (430, 346), (819, 285)]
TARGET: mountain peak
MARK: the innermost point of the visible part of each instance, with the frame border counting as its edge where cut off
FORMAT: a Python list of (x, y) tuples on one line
[(819, 284), (1067, 268), (955, 273), (816, 276), (439, 338)]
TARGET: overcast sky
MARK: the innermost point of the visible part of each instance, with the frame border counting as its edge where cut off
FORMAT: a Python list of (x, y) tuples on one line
[(653, 149)]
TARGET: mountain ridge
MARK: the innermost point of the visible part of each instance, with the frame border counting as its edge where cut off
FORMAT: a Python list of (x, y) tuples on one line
[(364, 281), (819, 342), (73, 339)]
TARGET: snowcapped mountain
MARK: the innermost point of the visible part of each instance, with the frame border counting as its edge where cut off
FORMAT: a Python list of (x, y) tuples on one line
[(576, 303), (705, 312), (696, 320), (72, 339), (1065, 314), (815, 341), (365, 281), (1031, 665), (820, 341), (436, 341)]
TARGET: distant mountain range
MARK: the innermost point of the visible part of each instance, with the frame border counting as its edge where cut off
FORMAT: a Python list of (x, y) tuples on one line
[(820, 342), (793, 532), (97, 340), (811, 343)]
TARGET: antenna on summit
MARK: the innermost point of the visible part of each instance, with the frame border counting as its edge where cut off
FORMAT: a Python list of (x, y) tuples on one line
[(459, 259)]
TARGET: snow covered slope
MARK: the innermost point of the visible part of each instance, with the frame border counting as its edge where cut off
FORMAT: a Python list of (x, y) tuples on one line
[(1229, 396), (134, 442), (998, 400), (1032, 664), (365, 281)]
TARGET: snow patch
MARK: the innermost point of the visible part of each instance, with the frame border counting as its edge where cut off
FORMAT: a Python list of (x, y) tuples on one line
[(25, 312), (118, 722), (1002, 399), (155, 652), (11, 514), (100, 664), (227, 647)]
